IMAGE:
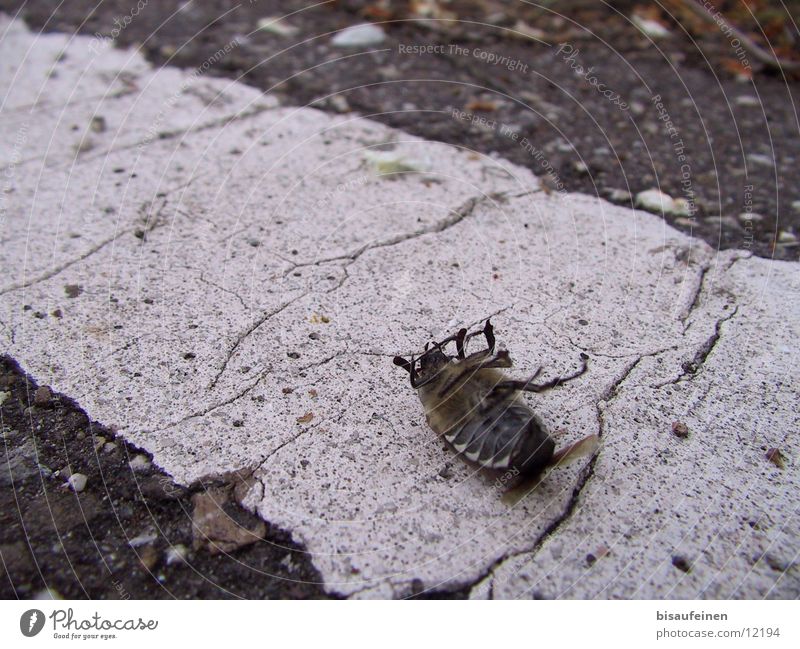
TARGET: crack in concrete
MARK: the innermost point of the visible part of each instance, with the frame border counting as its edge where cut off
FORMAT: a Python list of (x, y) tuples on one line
[(454, 218), (326, 360), (212, 408), (586, 473), (701, 278), (592, 352), (691, 368), (162, 136), (45, 106), (62, 267), (144, 208), (203, 279), (291, 440), (263, 319)]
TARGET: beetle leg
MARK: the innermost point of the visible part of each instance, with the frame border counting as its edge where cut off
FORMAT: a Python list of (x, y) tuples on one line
[(520, 385), (488, 331), (402, 362), (461, 338), (413, 373), (528, 386), (499, 360)]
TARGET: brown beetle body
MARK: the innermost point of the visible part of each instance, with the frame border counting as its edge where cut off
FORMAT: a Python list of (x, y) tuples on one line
[(480, 413)]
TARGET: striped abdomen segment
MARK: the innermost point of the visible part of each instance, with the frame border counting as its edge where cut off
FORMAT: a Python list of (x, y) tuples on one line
[(502, 437)]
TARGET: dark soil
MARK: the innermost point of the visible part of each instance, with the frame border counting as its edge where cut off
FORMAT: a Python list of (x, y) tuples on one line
[(78, 544), (589, 142)]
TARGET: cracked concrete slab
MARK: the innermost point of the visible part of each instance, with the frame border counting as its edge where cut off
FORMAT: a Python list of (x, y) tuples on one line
[(233, 297)]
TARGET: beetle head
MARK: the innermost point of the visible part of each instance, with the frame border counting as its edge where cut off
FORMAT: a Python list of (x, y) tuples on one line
[(425, 368)]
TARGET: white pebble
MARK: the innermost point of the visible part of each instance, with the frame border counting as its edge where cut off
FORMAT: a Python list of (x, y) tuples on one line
[(274, 25), (362, 35), (143, 539), (747, 100), (655, 201), (176, 554), (77, 482), (48, 593), (140, 463), (649, 27), (619, 196), (760, 159), (750, 216)]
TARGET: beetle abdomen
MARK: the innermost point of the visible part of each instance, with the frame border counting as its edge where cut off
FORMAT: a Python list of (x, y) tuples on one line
[(503, 436)]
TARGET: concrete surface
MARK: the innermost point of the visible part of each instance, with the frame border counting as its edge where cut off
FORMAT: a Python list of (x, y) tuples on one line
[(225, 282)]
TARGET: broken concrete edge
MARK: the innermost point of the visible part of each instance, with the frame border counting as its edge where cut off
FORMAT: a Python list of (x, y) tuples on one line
[(220, 489)]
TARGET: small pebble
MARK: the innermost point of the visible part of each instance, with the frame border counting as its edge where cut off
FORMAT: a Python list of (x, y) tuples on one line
[(339, 103), (140, 463), (680, 429), (651, 28), (98, 124), (747, 100), (681, 563), (760, 159), (580, 167), (619, 196), (144, 538), (750, 216), (43, 396), (77, 482), (275, 25), (149, 557), (364, 35), (176, 554)]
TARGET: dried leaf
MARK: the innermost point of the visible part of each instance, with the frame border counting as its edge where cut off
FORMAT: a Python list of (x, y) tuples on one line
[(480, 104), (775, 456)]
